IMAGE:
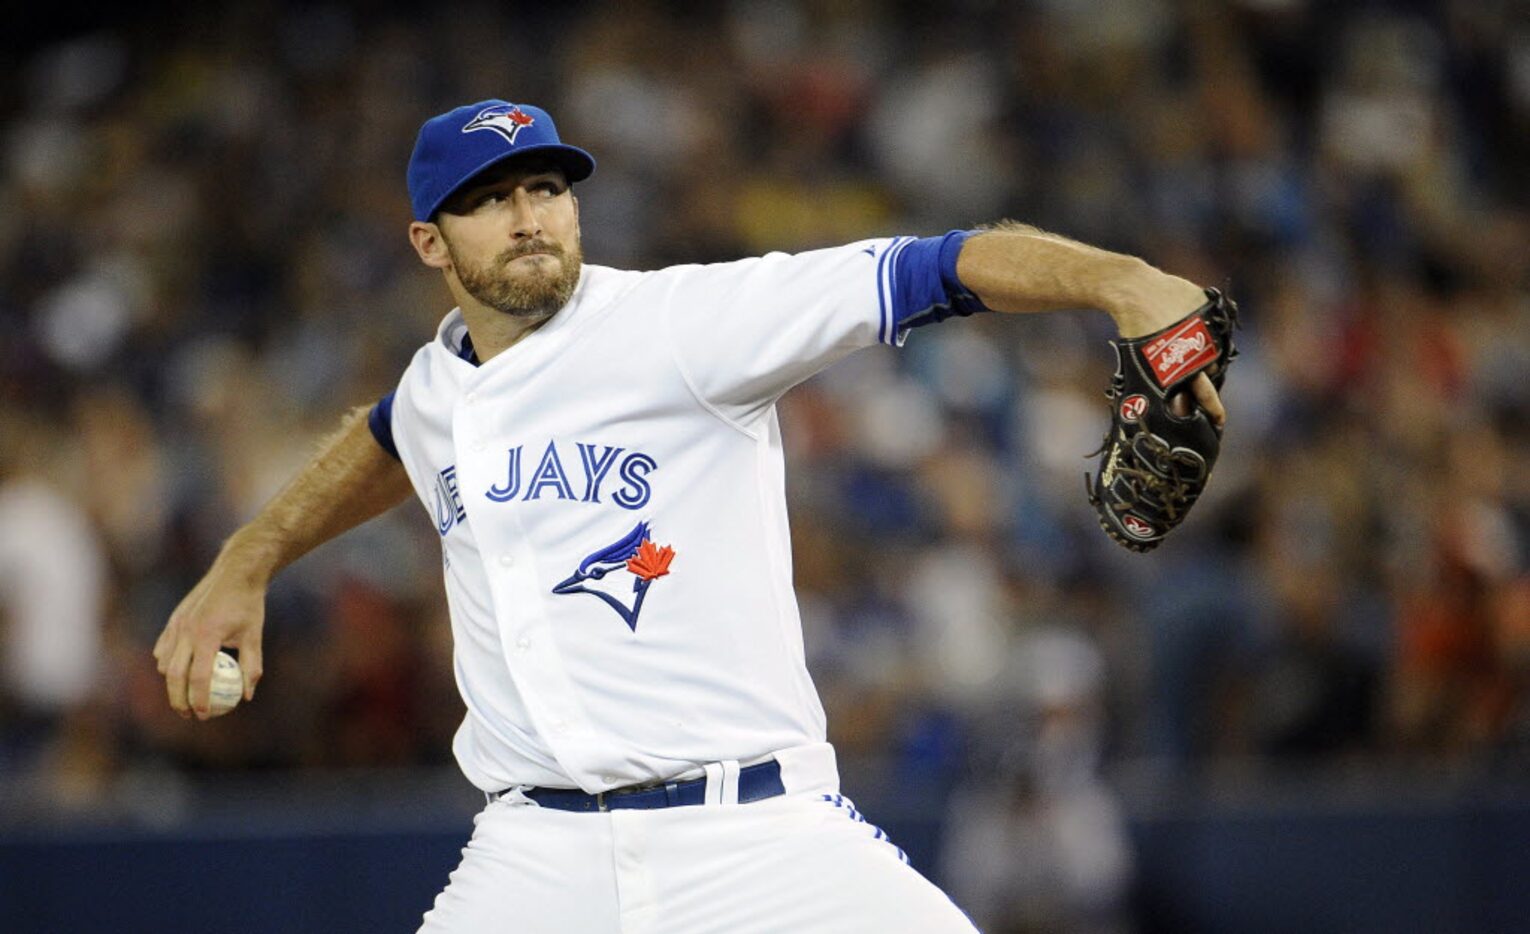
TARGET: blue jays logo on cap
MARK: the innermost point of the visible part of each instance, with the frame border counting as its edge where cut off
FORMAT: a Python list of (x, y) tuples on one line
[(453, 147), (505, 119), (634, 552)]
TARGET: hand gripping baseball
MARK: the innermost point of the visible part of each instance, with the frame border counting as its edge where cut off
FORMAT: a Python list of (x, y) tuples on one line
[(227, 608), (1157, 457)]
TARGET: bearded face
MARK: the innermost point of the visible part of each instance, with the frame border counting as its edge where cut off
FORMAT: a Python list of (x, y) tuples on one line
[(527, 280), (511, 238)]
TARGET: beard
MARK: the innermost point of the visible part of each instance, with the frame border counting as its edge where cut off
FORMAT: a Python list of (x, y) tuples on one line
[(534, 293)]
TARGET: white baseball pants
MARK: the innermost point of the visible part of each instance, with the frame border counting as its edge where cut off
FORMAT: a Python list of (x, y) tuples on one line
[(805, 862)]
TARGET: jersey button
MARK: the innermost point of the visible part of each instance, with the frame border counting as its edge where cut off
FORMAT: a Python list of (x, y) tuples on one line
[(523, 643), (608, 779), (560, 726), (480, 446), (470, 398), (506, 560)]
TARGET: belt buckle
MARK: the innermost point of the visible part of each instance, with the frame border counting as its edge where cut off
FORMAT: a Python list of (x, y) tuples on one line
[(600, 802)]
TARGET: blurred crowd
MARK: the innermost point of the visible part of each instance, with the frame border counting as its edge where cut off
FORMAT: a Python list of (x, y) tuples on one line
[(203, 262)]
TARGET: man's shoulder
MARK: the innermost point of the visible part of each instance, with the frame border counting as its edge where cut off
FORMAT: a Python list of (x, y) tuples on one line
[(840, 256), (597, 275), (765, 274)]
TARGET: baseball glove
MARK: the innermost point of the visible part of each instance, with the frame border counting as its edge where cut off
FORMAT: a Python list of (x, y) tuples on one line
[(1154, 463)]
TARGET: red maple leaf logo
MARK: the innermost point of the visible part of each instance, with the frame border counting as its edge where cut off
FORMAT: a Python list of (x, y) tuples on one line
[(520, 118), (651, 562)]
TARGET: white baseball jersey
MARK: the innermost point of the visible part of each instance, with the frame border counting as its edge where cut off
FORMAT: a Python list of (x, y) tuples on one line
[(610, 498)]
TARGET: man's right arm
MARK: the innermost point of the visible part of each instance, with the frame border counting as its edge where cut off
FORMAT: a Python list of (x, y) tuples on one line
[(349, 480)]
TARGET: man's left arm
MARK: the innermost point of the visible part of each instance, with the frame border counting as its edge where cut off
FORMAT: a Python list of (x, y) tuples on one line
[(1016, 268)]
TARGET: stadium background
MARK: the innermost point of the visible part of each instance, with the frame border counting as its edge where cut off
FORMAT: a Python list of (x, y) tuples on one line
[(1308, 711)]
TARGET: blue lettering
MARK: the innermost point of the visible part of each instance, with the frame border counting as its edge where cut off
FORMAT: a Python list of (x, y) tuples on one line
[(549, 473), (637, 492), (449, 509), (596, 468), (598, 460), (503, 494)]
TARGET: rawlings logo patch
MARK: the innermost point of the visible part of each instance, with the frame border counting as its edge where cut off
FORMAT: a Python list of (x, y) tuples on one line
[(634, 554), (1133, 406), (506, 120), (1137, 528), (1182, 351)]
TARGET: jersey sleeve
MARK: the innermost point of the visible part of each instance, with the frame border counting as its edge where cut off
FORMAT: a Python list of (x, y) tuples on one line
[(380, 420), (746, 332)]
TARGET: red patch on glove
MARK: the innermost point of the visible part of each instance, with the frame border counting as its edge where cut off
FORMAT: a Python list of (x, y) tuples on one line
[(1183, 350)]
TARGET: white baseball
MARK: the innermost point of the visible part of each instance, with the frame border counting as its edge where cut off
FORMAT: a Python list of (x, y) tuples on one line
[(227, 685)]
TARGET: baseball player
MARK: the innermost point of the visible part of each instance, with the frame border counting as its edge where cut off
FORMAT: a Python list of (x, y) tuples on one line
[(599, 452)]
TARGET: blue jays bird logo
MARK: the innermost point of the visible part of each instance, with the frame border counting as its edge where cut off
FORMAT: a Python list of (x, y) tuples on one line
[(505, 119), (636, 553)]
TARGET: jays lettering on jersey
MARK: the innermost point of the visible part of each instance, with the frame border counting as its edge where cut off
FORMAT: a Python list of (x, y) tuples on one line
[(610, 497)]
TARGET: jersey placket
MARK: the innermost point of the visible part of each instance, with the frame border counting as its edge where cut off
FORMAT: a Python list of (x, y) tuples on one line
[(506, 548)]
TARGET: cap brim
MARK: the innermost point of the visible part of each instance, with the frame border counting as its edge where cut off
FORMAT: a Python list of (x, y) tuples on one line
[(577, 165)]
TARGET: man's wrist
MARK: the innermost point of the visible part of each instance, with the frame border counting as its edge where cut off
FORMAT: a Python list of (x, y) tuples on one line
[(251, 556), (1144, 299)]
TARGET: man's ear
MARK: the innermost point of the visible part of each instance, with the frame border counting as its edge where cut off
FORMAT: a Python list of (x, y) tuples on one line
[(430, 244)]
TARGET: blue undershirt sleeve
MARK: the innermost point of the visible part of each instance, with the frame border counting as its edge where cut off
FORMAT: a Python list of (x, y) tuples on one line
[(924, 285), (380, 420)]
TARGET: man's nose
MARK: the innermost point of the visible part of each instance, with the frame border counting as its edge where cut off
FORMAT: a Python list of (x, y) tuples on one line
[(524, 223)]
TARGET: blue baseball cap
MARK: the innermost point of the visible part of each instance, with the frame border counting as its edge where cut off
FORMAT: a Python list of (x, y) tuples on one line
[(460, 143)]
